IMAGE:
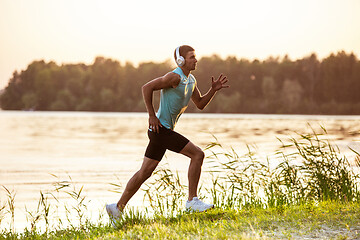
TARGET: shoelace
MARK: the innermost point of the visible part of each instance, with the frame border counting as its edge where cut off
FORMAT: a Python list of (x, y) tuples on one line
[(198, 201)]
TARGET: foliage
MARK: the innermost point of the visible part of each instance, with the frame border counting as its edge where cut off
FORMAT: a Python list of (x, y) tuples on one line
[(303, 86), (310, 169)]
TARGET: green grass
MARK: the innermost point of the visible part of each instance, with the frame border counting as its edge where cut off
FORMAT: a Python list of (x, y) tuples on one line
[(327, 220), (311, 192)]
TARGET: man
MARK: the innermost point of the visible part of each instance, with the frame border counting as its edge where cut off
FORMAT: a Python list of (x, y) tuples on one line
[(177, 87)]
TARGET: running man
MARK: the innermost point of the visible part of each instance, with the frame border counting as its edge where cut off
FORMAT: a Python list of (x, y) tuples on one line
[(177, 87)]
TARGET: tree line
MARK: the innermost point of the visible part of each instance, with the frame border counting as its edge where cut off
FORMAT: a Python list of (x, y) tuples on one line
[(275, 85)]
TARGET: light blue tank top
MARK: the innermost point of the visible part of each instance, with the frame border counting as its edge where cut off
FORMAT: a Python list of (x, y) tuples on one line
[(174, 101)]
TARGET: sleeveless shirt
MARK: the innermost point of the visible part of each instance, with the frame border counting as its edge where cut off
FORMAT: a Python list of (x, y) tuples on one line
[(174, 101)]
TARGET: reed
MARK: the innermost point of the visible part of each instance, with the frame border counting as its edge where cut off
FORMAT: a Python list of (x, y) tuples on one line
[(165, 193), (33, 217), (2, 211), (78, 202), (310, 169), (11, 207)]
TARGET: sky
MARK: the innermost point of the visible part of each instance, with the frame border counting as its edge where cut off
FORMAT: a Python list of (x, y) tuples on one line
[(74, 31)]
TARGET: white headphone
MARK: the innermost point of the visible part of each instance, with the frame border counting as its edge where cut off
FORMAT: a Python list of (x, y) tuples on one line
[(180, 61)]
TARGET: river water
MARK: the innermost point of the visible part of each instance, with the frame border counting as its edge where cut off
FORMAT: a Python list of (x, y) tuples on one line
[(96, 149)]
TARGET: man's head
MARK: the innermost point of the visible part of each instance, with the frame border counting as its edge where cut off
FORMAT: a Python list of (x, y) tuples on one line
[(188, 53)]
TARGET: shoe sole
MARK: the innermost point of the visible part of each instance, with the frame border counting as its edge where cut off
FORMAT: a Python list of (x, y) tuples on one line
[(192, 211)]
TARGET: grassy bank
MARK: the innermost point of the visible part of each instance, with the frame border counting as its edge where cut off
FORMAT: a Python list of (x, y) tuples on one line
[(306, 189), (327, 220)]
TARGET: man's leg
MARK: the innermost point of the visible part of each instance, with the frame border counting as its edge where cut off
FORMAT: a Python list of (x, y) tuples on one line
[(197, 157), (148, 166)]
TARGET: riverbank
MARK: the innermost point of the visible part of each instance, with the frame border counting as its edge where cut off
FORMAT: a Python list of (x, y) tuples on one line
[(326, 220)]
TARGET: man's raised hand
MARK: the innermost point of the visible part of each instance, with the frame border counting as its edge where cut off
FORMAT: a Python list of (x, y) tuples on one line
[(219, 83)]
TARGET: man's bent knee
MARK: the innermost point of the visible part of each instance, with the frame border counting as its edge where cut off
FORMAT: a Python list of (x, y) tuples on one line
[(193, 152), (200, 154)]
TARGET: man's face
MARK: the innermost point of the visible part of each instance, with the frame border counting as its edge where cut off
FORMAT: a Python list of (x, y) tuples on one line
[(190, 60)]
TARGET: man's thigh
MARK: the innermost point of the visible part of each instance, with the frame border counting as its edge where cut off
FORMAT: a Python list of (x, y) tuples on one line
[(174, 141)]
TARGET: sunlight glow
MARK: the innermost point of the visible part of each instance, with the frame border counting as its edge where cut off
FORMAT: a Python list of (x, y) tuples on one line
[(78, 31)]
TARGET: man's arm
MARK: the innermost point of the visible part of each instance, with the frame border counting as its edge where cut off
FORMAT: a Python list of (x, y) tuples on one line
[(202, 101), (167, 81)]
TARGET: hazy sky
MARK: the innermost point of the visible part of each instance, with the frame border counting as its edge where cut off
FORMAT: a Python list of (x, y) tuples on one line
[(72, 31)]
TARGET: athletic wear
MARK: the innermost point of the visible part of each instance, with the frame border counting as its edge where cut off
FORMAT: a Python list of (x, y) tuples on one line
[(174, 101), (196, 205), (114, 213), (165, 139)]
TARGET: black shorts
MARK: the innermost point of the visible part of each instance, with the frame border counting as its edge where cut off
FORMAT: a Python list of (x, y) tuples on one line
[(165, 139)]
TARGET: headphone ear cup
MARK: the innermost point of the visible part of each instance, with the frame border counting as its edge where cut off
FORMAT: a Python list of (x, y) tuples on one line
[(180, 61)]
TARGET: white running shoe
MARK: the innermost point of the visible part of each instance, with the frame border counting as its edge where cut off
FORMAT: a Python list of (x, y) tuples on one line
[(114, 213), (196, 205)]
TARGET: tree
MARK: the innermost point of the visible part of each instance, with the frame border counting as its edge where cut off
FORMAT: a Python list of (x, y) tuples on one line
[(270, 93), (291, 95)]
